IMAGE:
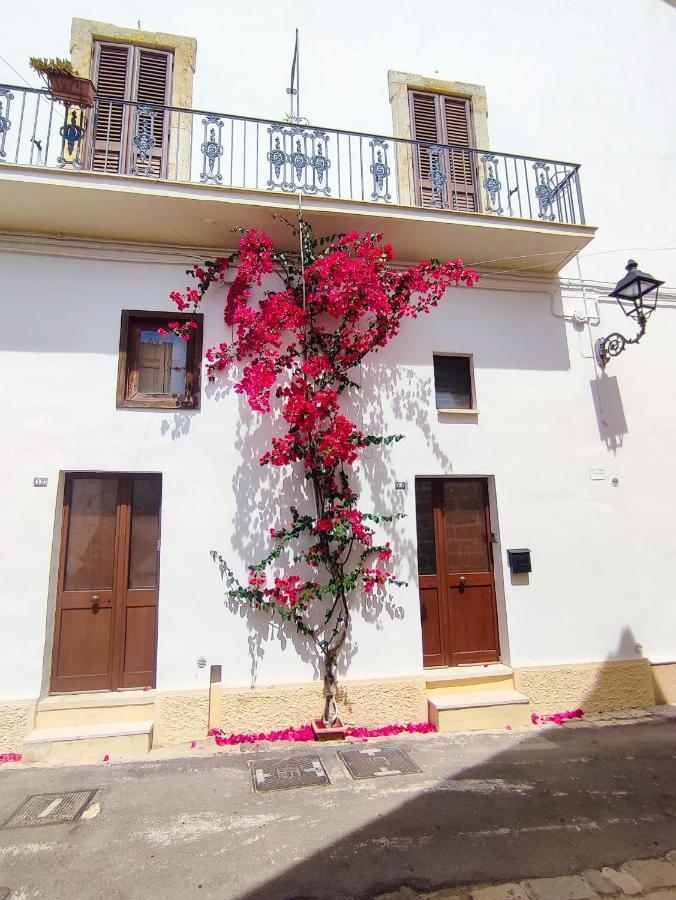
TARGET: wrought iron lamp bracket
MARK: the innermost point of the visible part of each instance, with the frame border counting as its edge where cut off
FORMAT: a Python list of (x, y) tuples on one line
[(615, 343)]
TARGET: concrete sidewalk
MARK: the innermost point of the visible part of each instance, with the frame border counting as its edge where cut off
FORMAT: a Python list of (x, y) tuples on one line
[(649, 878), (484, 809)]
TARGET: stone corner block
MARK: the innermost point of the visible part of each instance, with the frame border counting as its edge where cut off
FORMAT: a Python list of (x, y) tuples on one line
[(567, 887), (623, 880), (499, 892), (652, 873), (600, 883)]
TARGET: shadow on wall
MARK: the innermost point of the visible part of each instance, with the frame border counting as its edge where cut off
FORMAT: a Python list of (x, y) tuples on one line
[(609, 411), (254, 485), (395, 398), (440, 838)]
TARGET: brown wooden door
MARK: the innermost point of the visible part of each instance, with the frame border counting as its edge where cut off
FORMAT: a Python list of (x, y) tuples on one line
[(106, 611), (455, 571)]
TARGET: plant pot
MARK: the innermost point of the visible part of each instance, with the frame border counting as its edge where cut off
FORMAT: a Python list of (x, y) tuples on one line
[(324, 732), (72, 89)]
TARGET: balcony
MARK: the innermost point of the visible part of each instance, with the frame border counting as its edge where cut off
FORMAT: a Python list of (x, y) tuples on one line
[(161, 174)]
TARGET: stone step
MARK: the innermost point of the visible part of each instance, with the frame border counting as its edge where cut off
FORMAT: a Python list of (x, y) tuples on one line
[(93, 708), (479, 710), (469, 678), (78, 743)]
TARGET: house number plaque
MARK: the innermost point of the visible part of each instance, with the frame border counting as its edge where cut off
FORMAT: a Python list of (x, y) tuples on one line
[(40, 482)]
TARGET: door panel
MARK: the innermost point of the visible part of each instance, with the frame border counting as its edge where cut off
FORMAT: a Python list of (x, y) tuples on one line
[(84, 619), (430, 616), (84, 649), (140, 600), (110, 529), (459, 618)]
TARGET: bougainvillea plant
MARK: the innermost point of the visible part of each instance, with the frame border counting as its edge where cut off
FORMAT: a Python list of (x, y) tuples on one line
[(293, 354)]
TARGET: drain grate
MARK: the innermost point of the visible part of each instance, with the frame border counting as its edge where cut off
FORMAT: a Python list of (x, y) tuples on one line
[(375, 762), (51, 809), (282, 774)]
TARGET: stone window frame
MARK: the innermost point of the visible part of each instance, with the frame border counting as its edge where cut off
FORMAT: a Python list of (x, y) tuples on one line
[(399, 85), (85, 32)]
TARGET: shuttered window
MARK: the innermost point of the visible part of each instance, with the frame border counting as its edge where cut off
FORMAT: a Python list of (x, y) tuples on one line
[(453, 382), (158, 370), (445, 176), (139, 76)]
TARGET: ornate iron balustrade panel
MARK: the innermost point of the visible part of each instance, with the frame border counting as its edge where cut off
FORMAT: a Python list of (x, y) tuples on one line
[(299, 159), (147, 141)]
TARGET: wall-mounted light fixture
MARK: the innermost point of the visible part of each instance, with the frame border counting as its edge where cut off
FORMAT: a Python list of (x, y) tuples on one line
[(636, 293)]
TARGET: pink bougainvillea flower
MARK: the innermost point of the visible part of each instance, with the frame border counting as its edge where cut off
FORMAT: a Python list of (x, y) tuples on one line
[(508, 727), (295, 342), (106, 758), (193, 744)]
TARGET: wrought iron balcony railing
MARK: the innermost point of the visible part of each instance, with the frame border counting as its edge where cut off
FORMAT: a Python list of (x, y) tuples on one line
[(167, 143)]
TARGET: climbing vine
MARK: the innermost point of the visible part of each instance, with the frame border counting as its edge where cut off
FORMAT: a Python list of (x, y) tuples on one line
[(293, 354)]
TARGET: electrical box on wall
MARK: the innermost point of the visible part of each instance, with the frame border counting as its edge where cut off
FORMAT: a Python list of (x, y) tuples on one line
[(519, 561)]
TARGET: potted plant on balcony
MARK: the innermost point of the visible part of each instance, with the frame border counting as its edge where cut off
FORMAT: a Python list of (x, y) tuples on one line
[(64, 82)]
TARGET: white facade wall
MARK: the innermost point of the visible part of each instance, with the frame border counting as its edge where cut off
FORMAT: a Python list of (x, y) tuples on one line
[(601, 554), (590, 83)]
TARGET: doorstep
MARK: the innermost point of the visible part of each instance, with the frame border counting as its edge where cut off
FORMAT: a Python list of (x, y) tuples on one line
[(94, 707), (80, 743), (478, 710), (481, 677)]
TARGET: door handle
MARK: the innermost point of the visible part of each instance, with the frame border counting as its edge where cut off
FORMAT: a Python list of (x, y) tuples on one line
[(461, 585), (96, 606)]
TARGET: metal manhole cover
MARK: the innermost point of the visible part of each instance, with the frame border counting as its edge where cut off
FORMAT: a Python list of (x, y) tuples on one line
[(281, 774), (51, 809), (374, 762)]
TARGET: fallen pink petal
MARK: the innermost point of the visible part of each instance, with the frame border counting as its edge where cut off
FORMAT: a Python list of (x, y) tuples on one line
[(10, 757), (557, 718), (305, 733)]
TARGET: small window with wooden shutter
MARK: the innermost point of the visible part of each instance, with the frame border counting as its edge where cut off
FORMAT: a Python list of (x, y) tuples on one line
[(133, 85), (158, 370), (444, 170), (454, 383)]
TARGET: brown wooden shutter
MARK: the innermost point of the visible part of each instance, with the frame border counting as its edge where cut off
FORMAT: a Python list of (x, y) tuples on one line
[(112, 76), (443, 120), (458, 127), (124, 72), (424, 127), (151, 85)]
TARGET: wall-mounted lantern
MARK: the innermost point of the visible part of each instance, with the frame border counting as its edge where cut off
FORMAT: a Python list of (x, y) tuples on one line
[(636, 293)]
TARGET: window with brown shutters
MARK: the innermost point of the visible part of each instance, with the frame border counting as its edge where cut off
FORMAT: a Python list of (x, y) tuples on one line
[(444, 171), (142, 78)]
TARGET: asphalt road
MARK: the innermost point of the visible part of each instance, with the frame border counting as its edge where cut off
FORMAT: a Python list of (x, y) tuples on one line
[(488, 807)]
